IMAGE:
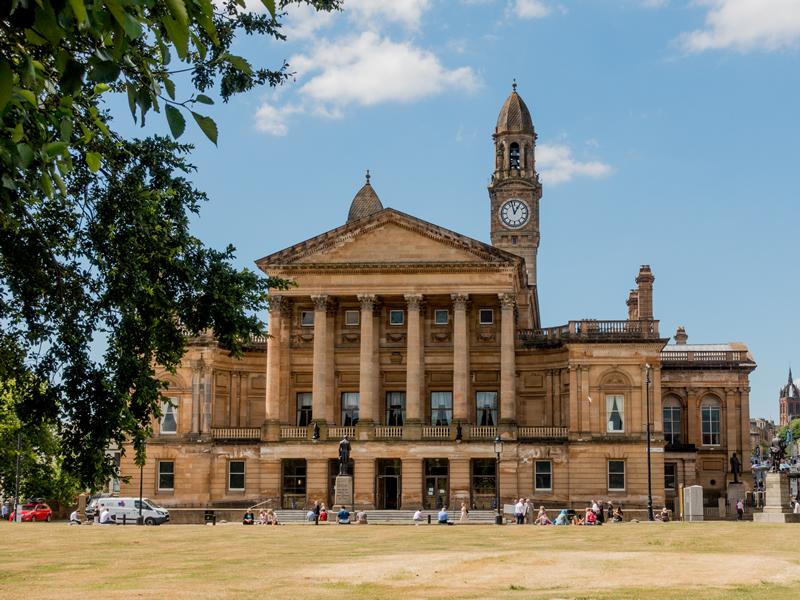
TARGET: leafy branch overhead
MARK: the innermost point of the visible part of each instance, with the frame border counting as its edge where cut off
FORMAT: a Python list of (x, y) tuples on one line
[(100, 278)]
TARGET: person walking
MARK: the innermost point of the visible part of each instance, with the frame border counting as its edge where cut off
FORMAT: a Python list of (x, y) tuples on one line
[(519, 511), (739, 510), (464, 513)]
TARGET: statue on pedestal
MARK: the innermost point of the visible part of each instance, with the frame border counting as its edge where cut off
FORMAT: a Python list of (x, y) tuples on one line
[(344, 456), (776, 451), (736, 467)]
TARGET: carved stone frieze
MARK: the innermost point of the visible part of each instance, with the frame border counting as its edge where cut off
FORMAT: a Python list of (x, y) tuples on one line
[(441, 337)]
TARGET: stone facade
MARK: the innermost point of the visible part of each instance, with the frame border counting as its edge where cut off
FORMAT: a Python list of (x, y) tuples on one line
[(424, 346), (789, 402)]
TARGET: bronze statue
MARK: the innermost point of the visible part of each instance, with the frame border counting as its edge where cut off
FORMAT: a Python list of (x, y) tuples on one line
[(736, 467), (344, 456), (776, 451)]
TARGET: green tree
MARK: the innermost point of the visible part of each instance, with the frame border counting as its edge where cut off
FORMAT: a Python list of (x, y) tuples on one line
[(794, 425), (100, 278)]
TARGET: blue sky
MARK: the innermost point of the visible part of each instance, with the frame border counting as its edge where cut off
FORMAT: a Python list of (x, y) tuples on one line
[(668, 135)]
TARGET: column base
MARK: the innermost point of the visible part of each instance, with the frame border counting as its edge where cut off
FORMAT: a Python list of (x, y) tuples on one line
[(271, 431), (507, 430), (365, 430), (412, 429)]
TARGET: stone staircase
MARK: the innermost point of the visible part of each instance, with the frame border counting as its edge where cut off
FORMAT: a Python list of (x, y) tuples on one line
[(393, 517)]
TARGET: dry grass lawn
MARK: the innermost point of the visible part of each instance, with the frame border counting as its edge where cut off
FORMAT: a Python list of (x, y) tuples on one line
[(674, 560)]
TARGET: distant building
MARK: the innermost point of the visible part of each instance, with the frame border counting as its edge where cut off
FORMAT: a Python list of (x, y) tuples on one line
[(789, 401), (761, 432)]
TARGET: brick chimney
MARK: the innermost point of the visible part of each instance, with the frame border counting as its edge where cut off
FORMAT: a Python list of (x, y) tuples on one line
[(645, 281), (633, 305), (680, 336)]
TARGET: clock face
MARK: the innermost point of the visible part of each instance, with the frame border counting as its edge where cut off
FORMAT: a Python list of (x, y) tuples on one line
[(514, 213)]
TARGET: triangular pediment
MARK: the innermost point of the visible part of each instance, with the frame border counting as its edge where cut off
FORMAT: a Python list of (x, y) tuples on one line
[(388, 237)]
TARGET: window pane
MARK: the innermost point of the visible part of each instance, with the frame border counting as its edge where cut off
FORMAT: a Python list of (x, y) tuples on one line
[(711, 431), (351, 317), (486, 408), (166, 475), (236, 475), (615, 411), (441, 408), (396, 317), (672, 424), (441, 316), (395, 408), (350, 408), (669, 476), (616, 474), (544, 475), (169, 416), (486, 316), (304, 414), (307, 318)]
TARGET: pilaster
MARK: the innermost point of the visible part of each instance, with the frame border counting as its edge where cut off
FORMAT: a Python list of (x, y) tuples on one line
[(508, 399), (320, 402), (460, 358)]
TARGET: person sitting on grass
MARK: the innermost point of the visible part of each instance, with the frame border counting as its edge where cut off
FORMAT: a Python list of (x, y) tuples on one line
[(73, 518), (262, 517), (323, 514), (361, 517), (443, 516), (272, 517), (664, 516), (562, 518), (617, 518), (248, 518), (576, 520), (343, 516), (542, 518), (418, 517), (591, 517)]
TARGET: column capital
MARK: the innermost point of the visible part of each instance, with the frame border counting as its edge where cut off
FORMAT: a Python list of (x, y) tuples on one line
[(460, 301), (507, 301), (277, 303), (320, 301), (368, 301), (413, 301)]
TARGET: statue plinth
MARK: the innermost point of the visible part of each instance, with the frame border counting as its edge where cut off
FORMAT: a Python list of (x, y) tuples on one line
[(777, 508), (343, 492)]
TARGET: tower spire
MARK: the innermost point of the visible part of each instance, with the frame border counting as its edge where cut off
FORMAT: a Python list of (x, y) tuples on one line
[(514, 85), (367, 175)]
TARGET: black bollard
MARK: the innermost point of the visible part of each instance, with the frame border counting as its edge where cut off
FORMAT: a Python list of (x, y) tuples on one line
[(429, 519)]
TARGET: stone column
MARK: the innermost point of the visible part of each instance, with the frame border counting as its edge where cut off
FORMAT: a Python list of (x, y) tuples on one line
[(586, 406), (744, 399), (508, 363), (319, 391), (272, 410), (731, 441), (548, 399), (574, 421), (197, 373), (412, 484), (460, 358), (368, 370), (692, 425), (208, 391), (414, 366)]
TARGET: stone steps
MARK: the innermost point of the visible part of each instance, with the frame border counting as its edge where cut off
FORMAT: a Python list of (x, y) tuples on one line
[(390, 516)]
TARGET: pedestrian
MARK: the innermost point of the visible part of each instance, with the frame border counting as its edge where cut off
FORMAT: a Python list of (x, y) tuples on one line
[(418, 516), (739, 509), (610, 511), (464, 513), (528, 511), (519, 511), (5, 511), (317, 510)]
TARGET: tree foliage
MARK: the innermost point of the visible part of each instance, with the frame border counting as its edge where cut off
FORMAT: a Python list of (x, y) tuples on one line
[(100, 277)]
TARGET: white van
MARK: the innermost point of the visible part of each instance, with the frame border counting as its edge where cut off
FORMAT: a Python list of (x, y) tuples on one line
[(126, 510)]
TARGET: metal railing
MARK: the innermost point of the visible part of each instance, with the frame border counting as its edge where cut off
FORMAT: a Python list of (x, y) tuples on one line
[(340, 432), (589, 330), (389, 432), (436, 432), (236, 433), (705, 357), (533, 433), (293, 433), (483, 432)]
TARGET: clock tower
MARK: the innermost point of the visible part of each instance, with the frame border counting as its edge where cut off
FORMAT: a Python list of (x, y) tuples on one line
[(515, 191)]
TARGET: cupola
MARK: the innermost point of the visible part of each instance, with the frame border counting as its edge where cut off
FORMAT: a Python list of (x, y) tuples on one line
[(365, 202)]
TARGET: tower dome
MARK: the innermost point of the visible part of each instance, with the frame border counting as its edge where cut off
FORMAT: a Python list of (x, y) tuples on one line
[(365, 202), (514, 115)]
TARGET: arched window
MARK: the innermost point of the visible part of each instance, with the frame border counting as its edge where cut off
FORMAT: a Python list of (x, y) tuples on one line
[(672, 421), (513, 156), (710, 414)]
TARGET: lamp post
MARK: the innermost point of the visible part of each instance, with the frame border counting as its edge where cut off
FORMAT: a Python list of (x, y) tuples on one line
[(650, 516), (498, 449), (17, 511)]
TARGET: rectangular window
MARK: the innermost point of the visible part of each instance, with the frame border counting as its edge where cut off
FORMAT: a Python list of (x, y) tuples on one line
[(615, 413), (711, 435), (166, 475), (349, 408), (486, 408), (304, 409), (293, 487), (670, 477), (486, 316), (236, 475), (441, 408), (169, 415), (395, 408), (616, 475), (352, 318), (441, 316), (396, 317), (307, 318), (543, 475), (672, 424)]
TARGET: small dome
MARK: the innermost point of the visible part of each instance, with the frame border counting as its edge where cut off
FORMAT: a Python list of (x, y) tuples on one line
[(365, 203), (514, 116)]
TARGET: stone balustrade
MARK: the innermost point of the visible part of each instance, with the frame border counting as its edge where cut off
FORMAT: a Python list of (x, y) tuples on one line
[(590, 330), (483, 433), (293, 433), (236, 433), (435, 432), (389, 432), (340, 432), (539, 433)]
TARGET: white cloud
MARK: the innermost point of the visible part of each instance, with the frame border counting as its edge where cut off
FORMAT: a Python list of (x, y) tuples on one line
[(557, 165), (369, 12), (746, 25), (303, 21), (530, 9), (369, 69), (654, 3), (273, 119)]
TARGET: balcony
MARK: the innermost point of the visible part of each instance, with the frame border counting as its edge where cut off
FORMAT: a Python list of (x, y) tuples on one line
[(388, 432), (706, 359), (236, 433), (589, 331), (293, 433), (435, 432), (483, 433), (542, 433), (340, 432)]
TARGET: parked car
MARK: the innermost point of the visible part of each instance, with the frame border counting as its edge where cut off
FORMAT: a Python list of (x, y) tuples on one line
[(34, 512)]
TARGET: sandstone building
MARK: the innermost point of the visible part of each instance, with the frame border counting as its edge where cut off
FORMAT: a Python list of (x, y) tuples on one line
[(423, 345)]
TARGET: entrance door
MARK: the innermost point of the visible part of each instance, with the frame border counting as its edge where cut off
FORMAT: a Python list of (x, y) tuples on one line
[(436, 493), (388, 479)]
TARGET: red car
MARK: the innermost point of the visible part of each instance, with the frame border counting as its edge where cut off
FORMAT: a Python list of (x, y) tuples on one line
[(35, 512)]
